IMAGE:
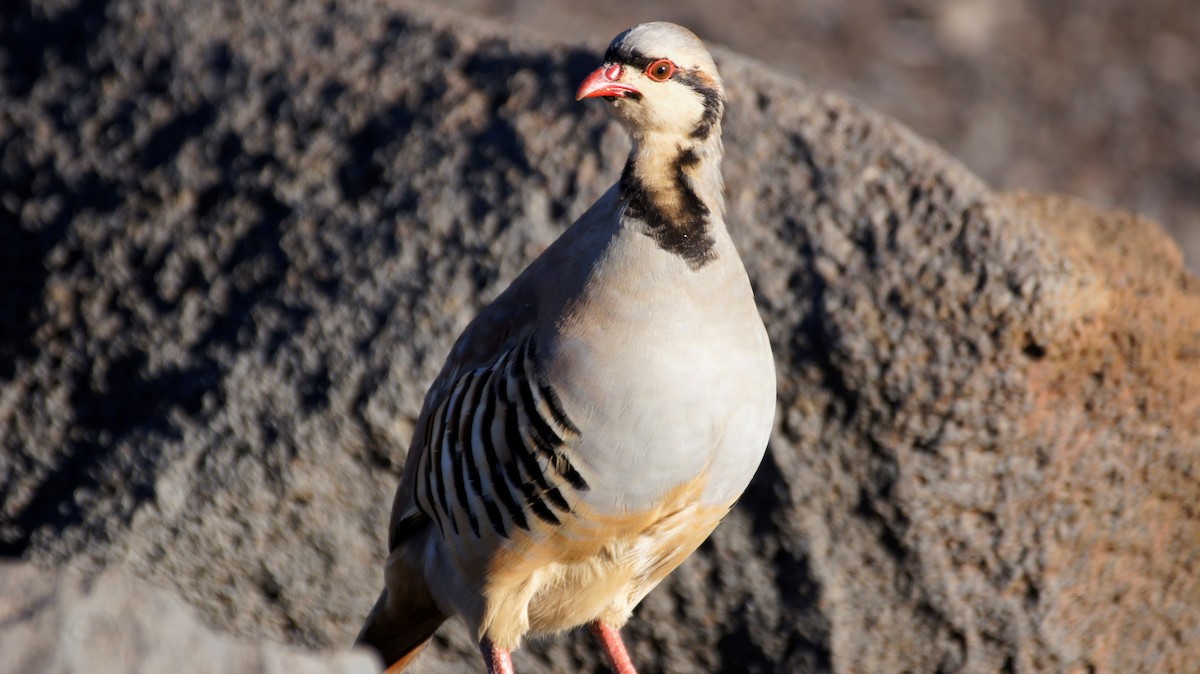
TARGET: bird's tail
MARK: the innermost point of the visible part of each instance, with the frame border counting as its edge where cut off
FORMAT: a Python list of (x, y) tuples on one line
[(398, 630)]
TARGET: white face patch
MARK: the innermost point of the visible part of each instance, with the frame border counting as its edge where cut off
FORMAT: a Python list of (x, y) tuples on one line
[(668, 108)]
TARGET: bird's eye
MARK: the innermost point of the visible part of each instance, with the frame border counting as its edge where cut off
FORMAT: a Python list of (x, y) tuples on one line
[(661, 70)]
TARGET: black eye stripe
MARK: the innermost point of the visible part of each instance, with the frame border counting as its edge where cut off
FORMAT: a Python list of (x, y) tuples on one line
[(714, 102), (629, 57)]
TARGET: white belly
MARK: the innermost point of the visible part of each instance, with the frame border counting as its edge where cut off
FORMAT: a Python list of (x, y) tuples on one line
[(664, 399)]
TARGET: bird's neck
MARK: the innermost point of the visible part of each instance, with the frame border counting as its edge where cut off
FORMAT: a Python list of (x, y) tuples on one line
[(673, 190)]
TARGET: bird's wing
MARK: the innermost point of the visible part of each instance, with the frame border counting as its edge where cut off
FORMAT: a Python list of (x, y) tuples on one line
[(496, 451), (407, 614), (487, 340), (492, 408)]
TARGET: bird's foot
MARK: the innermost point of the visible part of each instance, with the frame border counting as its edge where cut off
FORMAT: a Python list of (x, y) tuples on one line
[(499, 660), (614, 648)]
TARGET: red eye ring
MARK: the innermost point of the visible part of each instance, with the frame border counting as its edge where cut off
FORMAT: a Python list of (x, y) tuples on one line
[(661, 70)]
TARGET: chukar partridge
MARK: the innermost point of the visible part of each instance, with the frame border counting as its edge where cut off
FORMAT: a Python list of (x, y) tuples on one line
[(593, 424)]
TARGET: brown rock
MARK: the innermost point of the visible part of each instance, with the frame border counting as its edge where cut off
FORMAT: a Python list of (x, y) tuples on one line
[(1117, 416)]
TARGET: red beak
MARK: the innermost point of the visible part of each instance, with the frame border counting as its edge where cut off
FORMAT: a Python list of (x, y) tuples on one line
[(603, 83)]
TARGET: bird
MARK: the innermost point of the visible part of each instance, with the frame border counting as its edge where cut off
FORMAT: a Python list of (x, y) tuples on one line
[(592, 425)]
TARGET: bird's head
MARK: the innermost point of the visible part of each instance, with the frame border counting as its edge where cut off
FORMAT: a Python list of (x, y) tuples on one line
[(659, 79)]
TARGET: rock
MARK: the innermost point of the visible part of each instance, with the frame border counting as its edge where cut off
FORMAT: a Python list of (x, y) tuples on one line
[(59, 623), (247, 234)]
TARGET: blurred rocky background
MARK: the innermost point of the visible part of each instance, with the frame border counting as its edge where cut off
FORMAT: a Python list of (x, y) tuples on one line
[(237, 240), (1096, 98)]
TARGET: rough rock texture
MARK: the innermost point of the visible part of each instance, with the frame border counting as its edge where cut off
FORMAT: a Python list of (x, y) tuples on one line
[(1116, 408), (57, 623), (244, 235)]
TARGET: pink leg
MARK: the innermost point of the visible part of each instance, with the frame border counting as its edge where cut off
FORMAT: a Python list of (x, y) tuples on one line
[(614, 648), (498, 660)]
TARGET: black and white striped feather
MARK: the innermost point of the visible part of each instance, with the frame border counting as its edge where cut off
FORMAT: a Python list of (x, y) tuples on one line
[(496, 451)]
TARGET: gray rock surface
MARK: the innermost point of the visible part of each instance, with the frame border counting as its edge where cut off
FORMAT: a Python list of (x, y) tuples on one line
[(242, 237), (59, 623)]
